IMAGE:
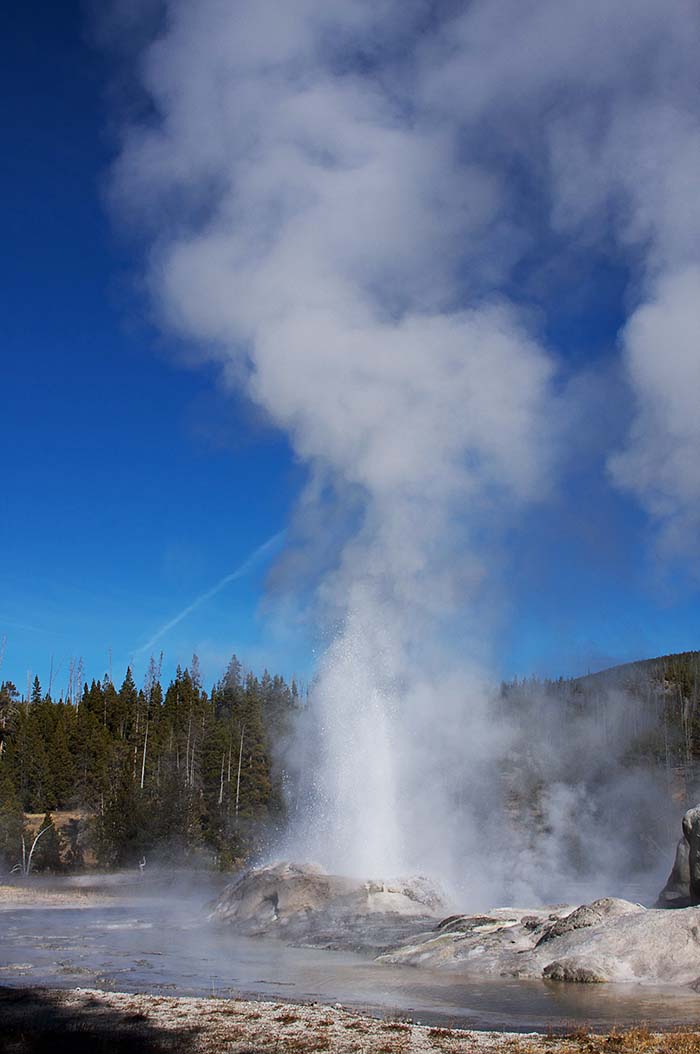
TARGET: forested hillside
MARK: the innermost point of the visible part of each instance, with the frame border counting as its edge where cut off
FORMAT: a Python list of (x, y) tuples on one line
[(597, 771), (170, 774), (180, 775), (659, 698)]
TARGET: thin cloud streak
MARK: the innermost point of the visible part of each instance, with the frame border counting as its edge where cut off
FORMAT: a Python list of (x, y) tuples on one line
[(244, 569)]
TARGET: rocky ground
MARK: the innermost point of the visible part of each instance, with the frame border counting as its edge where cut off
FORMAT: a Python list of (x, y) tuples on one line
[(36, 1021), (607, 940), (404, 923)]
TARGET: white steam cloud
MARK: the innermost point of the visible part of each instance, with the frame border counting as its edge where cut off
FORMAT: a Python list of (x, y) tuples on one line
[(339, 200), (662, 460)]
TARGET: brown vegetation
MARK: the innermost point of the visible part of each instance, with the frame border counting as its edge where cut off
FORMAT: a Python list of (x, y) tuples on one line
[(114, 1022)]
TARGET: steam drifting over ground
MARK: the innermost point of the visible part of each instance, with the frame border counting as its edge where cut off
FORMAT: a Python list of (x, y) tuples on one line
[(339, 202)]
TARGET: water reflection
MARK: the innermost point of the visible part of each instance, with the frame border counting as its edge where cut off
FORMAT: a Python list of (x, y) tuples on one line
[(164, 945)]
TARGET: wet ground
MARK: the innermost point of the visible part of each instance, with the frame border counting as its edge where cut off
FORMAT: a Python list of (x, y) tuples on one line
[(154, 937)]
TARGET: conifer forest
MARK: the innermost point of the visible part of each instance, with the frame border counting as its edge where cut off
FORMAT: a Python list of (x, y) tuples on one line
[(181, 776), (172, 773)]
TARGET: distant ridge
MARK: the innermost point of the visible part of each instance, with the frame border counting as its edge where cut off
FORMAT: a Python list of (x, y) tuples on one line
[(680, 667)]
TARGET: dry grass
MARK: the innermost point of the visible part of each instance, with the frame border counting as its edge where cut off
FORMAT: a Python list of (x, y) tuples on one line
[(640, 1040), (304, 1044), (13, 896), (61, 817), (153, 1024), (357, 1024), (437, 1035), (637, 1040)]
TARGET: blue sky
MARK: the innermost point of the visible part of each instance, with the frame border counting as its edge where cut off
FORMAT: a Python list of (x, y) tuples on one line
[(132, 485)]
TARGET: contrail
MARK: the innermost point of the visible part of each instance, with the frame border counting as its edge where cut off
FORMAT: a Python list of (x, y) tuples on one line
[(240, 571)]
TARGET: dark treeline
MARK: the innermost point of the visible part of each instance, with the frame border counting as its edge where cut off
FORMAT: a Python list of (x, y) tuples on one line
[(181, 775), (175, 773)]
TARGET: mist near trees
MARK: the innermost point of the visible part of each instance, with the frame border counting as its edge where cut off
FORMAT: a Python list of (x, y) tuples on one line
[(366, 216), (583, 797)]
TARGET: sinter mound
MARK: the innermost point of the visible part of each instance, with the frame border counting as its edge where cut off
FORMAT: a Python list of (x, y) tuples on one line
[(304, 905), (406, 922)]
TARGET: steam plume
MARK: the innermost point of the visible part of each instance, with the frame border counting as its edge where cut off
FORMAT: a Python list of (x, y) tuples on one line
[(339, 199)]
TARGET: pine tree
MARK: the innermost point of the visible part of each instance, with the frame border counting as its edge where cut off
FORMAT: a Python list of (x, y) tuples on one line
[(36, 691), (90, 747), (168, 773), (12, 823), (127, 702), (9, 703), (122, 827), (255, 763), (228, 693), (110, 708), (28, 761), (74, 831)]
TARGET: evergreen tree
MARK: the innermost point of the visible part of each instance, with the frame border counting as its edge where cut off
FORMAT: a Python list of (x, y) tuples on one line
[(228, 694), (61, 765), (12, 823), (28, 760), (110, 708), (9, 702), (160, 772), (127, 702), (74, 855), (122, 825)]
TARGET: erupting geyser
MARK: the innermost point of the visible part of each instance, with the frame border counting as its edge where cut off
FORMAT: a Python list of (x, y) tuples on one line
[(344, 201), (352, 823)]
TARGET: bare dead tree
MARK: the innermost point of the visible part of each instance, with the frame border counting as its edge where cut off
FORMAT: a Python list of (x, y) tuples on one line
[(70, 698), (143, 759), (187, 749), (152, 678), (238, 778), (221, 784), (25, 867), (194, 744)]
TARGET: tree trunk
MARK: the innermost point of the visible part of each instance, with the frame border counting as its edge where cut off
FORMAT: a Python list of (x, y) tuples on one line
[(187, 750), (238, 779), (221, 784), (143, 760)]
